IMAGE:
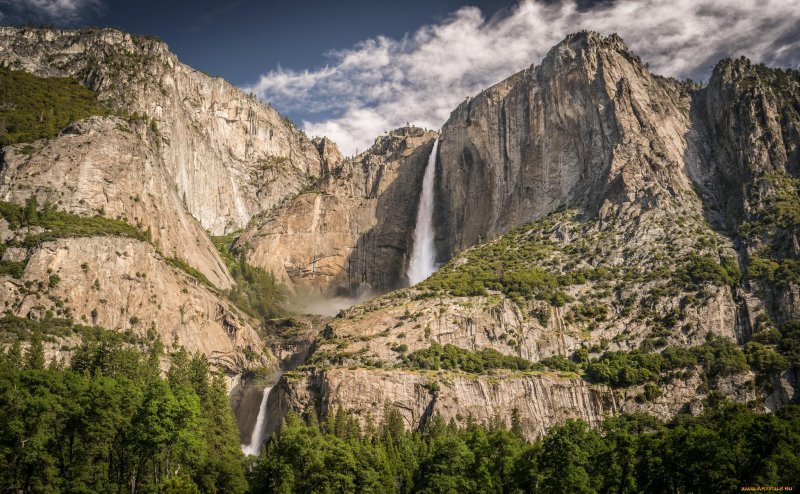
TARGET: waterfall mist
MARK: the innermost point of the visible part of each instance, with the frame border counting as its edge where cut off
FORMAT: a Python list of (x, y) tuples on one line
[(330, 306), (423, 253)]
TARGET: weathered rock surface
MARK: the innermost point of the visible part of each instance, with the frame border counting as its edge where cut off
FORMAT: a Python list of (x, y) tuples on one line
[(120, 283), (541, 400), (353, 230), (229, 155), (643, 164), (588, 125), (108, 165)]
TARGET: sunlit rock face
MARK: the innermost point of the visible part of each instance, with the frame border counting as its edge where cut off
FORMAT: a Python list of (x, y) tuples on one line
[(229, 155), (613, 170), (352, 232), (617, 169), (590, 125)]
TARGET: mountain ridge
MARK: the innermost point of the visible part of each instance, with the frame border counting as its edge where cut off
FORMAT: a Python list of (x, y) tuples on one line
[(585, 214)]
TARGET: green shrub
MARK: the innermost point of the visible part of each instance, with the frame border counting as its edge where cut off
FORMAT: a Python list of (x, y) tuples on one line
[(651, 391), (623, 369), (705, 269), (764, 360), (14, 268), (53, 281), (781, 274), (789, 344), (591, 312), (678, 358), (560, 363), (191, 271), (34, 107), (451, 357), (721, 357), (767, 336)]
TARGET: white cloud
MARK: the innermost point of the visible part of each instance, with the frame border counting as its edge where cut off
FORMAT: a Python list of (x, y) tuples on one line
[(61, 12), (382, 83)]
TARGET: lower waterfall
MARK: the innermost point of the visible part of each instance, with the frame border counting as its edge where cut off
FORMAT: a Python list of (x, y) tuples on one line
[(257, 437), (423, 253)]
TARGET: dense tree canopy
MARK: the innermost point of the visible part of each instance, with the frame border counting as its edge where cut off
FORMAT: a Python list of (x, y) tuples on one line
[(110, 423), (727, 447)]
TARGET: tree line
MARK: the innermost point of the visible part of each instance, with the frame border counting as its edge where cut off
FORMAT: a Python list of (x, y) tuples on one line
[(727, 447)]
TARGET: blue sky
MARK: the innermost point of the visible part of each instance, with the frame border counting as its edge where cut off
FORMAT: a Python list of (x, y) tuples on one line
[(352, 69)]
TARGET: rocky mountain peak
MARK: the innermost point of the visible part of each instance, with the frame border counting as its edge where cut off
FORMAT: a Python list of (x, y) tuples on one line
[(328, 152), (397, 141), (585, 50)]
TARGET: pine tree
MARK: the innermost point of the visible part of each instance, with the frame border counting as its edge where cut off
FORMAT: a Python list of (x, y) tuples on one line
[(34, 356)]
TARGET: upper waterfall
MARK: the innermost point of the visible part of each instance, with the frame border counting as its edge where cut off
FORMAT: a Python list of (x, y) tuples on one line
[(423, 253)]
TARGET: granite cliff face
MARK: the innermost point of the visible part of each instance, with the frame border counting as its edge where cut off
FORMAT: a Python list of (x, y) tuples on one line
[(351, 231), (656, 213), (588, 126), (110, 165), (229, 155), (590, 215), (124, 284), (541, 400), (187, 154)]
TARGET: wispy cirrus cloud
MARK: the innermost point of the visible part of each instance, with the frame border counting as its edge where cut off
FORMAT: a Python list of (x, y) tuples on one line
[(382, 83), (59, 12)]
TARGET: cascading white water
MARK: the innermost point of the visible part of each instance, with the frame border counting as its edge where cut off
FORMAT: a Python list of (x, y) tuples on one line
[(257, 436), (423, 253)]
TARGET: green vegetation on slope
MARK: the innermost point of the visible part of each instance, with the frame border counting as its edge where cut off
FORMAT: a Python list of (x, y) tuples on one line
[(772, 228), (453, 358), (109, 423), (34, 107), (55, 224), (508, 264), (59, 224), (257, 292), (13, 328), (526, 263), (726, 448), (718, 357), (190, 270)]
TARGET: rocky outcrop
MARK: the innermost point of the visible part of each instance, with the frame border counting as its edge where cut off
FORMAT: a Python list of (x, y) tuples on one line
[(589, 125), (111, 167), (747, 124), (124, 284), (541, 400), (352, 231), (229, 155)]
